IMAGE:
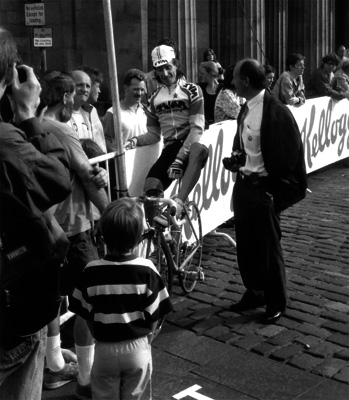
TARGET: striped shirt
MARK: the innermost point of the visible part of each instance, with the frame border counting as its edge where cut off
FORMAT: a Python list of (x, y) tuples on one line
[(121, 297)]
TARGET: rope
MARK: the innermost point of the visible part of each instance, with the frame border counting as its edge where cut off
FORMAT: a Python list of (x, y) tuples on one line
[(115, 189), (254, 33)]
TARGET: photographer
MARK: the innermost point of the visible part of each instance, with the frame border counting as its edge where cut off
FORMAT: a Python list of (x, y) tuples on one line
[(268, 157), (34, 176)]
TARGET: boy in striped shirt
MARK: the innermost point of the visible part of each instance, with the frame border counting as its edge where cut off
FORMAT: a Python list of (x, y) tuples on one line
[(122, 297)]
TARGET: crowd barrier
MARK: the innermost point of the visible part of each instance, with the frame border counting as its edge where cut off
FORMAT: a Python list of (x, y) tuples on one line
[(324, 127)]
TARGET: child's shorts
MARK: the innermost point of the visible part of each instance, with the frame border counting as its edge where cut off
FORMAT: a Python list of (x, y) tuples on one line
[(121, 370)]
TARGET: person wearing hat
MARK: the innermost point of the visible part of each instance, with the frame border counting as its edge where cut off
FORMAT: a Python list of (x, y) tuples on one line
[(323, 80), (152, 82), (176, 112)]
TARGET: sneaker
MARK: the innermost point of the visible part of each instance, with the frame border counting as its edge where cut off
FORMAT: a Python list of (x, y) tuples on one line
[(56, 379), (83, 392)]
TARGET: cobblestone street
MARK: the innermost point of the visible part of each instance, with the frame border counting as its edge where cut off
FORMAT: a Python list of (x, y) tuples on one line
[(206, 351), (313, 334)]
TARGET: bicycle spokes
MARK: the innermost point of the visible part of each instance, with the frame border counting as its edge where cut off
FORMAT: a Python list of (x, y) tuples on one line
[(190, 251)]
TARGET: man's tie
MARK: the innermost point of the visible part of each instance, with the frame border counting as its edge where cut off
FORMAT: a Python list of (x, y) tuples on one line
[(244, 112)]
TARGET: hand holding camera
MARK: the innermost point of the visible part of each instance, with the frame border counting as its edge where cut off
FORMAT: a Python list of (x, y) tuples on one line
[(24, 94), (235, 161)]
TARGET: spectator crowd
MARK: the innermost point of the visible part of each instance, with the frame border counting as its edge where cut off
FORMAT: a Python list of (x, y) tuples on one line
[(47, 136)]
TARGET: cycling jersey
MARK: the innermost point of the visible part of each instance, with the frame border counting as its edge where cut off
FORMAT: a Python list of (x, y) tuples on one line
[(176, 114)]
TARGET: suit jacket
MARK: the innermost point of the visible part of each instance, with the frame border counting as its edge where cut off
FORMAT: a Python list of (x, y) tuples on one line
[(282, 151)]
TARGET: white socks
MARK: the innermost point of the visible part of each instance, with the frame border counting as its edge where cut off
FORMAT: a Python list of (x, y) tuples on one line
[(85, 356), (54, 357)]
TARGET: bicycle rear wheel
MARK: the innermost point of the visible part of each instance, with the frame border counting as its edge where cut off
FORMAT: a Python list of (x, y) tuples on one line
[(189, 253)]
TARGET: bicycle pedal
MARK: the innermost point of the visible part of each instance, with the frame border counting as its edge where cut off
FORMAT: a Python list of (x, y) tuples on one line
[(190, 275), (197, 275), (200, 275)]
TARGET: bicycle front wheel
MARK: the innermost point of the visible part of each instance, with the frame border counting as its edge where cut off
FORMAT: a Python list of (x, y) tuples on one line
[(189, 255), (153, 247)]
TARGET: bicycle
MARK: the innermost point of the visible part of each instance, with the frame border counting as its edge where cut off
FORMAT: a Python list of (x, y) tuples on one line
[(174, 245)]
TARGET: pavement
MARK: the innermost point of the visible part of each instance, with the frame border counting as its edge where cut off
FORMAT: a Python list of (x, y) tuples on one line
[(207, 352)]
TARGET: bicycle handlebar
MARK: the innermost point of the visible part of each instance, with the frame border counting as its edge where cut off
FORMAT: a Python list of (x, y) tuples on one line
[(169, 202), (172, 205)]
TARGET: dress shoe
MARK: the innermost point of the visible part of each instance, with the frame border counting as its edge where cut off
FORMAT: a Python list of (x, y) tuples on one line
[(247, 302), (271, 316)]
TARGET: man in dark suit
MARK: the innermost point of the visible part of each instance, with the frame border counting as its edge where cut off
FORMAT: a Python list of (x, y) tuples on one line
[(271, 176)]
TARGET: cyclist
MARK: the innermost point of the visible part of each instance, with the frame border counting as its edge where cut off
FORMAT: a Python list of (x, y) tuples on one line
[(176, 112)]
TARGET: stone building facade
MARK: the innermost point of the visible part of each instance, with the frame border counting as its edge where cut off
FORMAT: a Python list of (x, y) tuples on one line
[(267, 30)]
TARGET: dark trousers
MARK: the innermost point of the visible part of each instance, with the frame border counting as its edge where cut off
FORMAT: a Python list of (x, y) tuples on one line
[(258, 236), (161, 165)]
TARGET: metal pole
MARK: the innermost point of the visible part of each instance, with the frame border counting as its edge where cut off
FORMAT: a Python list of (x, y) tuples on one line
[(43, 60), (121, 188)]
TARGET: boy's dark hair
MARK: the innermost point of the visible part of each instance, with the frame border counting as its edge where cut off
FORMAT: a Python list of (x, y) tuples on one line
[(133, 73), (121, 225)]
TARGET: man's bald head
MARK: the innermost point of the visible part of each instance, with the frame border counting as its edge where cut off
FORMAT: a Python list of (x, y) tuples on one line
[(254, 71), (82, 87), (249, 77)]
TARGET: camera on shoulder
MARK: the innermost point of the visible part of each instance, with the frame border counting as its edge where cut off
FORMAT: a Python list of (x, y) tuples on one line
[(235, 161)]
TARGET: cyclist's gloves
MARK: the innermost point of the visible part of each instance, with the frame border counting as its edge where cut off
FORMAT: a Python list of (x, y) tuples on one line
[(175, 170), (131, 144)]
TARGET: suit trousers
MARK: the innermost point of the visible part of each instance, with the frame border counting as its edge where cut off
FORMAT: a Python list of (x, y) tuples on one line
[(258, 240)]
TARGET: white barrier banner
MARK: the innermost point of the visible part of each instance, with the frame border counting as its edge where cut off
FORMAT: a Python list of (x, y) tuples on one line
[(138, 163), (324, 126), (214, 189), (213, 192)]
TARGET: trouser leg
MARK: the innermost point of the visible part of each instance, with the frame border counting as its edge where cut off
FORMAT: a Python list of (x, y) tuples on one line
[(258, 236)]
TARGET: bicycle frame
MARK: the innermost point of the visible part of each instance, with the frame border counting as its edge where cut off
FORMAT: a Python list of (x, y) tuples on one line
[(182, 261)]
